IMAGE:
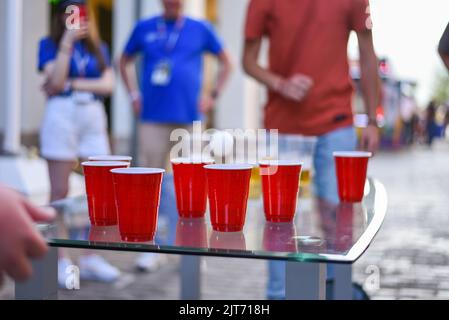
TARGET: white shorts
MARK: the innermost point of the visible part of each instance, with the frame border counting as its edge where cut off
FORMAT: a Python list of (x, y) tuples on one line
[(70, 131)]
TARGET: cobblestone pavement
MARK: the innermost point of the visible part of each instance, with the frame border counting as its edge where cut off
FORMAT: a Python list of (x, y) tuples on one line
[(410, 253)]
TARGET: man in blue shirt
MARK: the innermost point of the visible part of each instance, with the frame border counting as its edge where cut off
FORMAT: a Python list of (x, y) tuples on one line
[(172, 46), (170, 96)]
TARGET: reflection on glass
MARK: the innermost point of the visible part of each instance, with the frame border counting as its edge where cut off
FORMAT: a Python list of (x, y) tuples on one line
[(191, 233), (340, 223), (344, 227), (227, 240), (325, 232), (310, 244), (280, 237), (104, 234)]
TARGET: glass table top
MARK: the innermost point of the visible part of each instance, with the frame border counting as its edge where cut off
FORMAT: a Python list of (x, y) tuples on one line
[(321, 232)]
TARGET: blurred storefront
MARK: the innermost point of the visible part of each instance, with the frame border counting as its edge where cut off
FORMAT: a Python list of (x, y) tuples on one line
[(396, 109)]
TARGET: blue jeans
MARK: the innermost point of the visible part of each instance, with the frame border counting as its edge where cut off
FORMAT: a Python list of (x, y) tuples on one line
[(325, 184)]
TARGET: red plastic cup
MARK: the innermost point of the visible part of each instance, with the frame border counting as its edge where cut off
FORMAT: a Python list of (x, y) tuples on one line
[(280, 185), (191, 233), (351, 168), (137, 192), (127, 159), (228, 188), (100, 191), (190, 186)]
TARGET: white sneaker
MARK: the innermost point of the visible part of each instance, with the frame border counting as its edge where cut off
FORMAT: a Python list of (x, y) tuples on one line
[(96, 268), (149, 262), (63, 267)]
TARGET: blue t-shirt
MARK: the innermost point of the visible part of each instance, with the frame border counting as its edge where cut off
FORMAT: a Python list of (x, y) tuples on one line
[(176, 102), (48, 51)]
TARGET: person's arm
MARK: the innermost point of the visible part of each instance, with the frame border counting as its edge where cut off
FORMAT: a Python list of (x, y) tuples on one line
[(294, 88), (19, 239), (251, 66), (225, 70), (370, 89), (103, 86), (128, 73), (57, 74)]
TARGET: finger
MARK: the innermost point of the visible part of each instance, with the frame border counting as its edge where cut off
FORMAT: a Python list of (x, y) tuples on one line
[(298, 93), (30, 240), (35, 245), (39, 214), (296, 96), (303, 80), (306, 85), (20, 268), (309, 82)]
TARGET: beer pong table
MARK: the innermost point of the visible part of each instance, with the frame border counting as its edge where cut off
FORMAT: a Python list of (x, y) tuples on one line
[(322, 234)]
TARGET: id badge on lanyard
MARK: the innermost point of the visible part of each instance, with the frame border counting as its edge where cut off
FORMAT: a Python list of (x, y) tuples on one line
[(162, 72), (161, 75), (82, 97)]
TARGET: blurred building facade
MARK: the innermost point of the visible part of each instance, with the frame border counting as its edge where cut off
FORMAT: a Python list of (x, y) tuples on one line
[(22, 104)]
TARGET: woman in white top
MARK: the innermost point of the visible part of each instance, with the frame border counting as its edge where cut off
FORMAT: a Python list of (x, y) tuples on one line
[(78, 75)]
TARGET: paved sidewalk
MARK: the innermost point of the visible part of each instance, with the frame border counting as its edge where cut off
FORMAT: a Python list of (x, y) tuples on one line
[(412, 249), (411, 252)]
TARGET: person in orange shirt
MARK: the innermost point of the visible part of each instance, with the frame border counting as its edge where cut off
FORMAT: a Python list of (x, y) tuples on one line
[(309, 85)]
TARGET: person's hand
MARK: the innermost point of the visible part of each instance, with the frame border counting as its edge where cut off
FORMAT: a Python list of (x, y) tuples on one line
[(207, 103), (295, 88), (20, 241), (73, 35), (137, 107), (136, 103), (370, 139), (49, 89)]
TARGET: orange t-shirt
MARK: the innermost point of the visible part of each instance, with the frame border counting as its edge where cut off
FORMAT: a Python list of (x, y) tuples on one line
[(309, 37)]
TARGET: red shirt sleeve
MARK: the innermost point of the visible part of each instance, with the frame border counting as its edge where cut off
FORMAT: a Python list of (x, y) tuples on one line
[(360, 16), (257, 18)]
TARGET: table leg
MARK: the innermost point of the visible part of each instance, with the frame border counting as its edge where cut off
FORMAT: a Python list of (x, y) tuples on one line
[(190, 277), (305, 281), (343, 282), (43, 285)]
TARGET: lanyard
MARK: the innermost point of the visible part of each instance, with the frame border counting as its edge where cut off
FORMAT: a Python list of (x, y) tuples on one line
[(81, 61), (173, 37)]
